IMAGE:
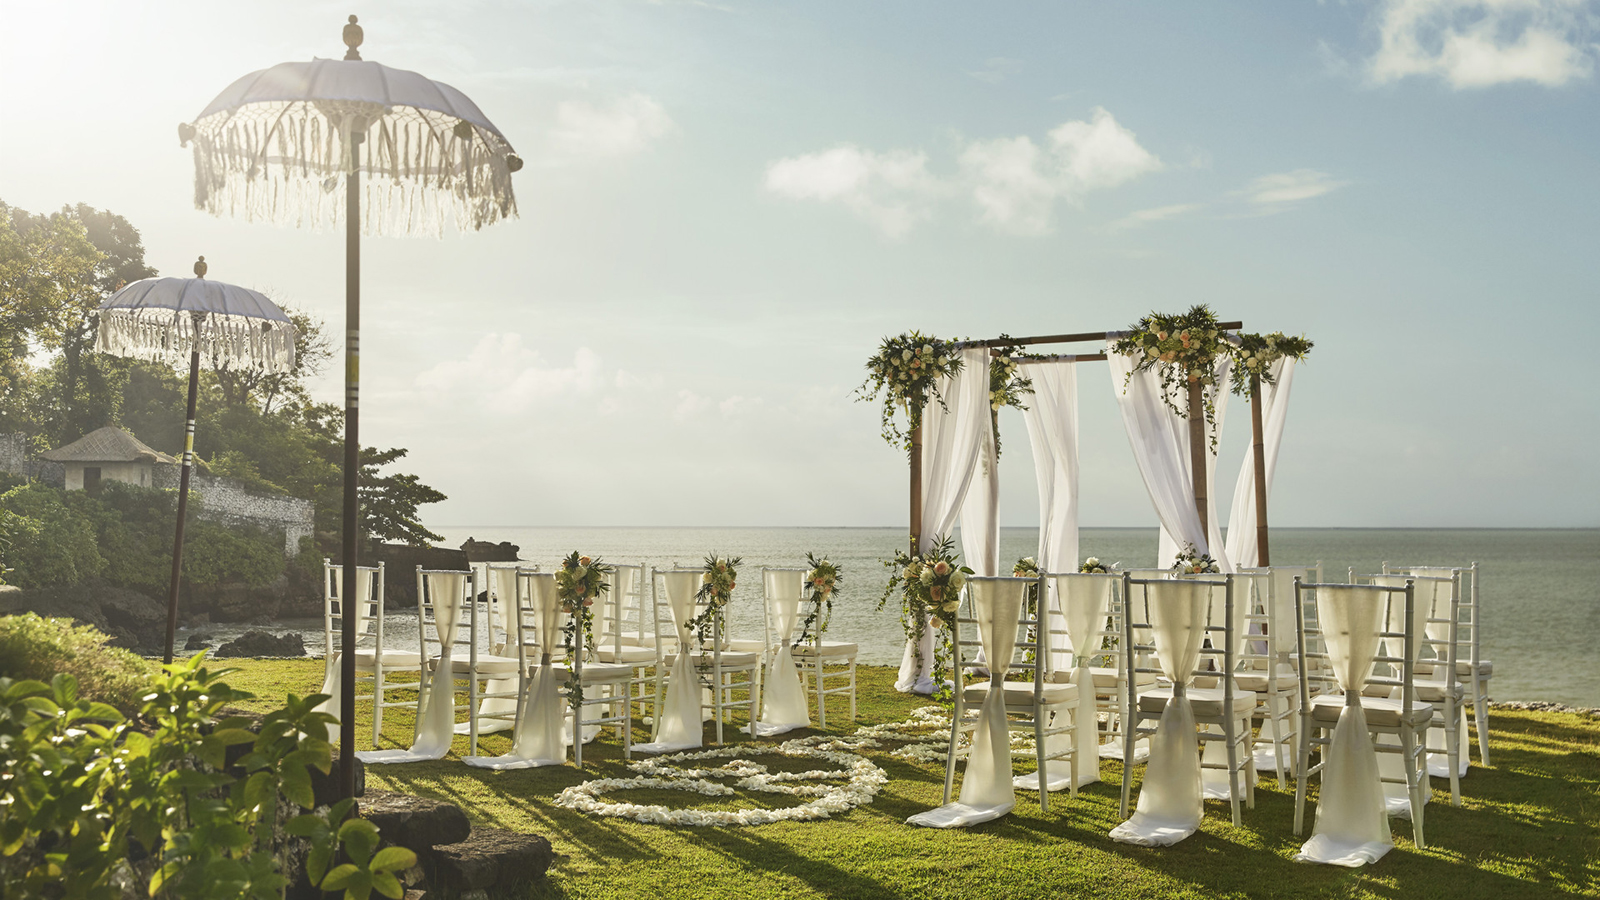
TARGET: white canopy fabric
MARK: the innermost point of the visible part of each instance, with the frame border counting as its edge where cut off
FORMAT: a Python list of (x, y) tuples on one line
[(1352, 825), (953, 437), (436, 719), (1241, 543), (986, 787), (540, 739), (272, 146), (1052, 421), (783, 698), (172, 317), (1160, 441)]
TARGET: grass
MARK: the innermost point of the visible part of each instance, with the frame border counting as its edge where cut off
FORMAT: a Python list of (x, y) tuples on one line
[(1529, 827)]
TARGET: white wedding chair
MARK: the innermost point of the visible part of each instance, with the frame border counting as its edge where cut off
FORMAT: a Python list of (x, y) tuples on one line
[(374, 661), (628, 631), (599, 694), (500, 594), (536, 731), (1180, 614), (1266, 666), (1471, 667), (469, 628), (996, 609), (822, 662), (783, 696), (1082, 605), (1348, 625), (691, 665), (1436, 606)]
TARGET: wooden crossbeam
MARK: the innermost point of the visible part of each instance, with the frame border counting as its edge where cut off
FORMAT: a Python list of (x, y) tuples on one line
[(1066, 338)]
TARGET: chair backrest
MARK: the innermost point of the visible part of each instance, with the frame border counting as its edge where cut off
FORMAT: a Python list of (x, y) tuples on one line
[(1082, 608), (1469, 631), (431, 585), (1180, 613), (780, 586), (1330, 631), (498, 581), (1029, 653), (368, 608), (621, 614)]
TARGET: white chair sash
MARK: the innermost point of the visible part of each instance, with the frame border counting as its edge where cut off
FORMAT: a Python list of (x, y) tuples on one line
[(1169, 806), (1085, 603), (986, 787), (436, 719), (1352, 826), (496, 713), (333, 684), (783, 698), (679, 724), (540, 739)]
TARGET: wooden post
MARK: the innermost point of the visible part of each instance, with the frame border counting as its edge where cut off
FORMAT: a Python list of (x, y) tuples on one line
[(1197, 457), (916, 488), (1263, 557), (183, 492)]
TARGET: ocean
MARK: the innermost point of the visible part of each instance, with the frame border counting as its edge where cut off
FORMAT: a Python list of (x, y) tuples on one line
[(1540, 588)]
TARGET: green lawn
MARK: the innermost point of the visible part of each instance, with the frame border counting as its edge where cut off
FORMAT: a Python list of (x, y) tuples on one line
[(1529, 827)]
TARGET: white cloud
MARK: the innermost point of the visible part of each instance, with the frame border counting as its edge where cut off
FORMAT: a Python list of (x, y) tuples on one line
[(1016, 183), (997, 69), (1013, 180), (690, 405), (620, 127), (891, 190), (739, 405), (1481, 43), (1275, 193), (505, 374), (1158, 214)]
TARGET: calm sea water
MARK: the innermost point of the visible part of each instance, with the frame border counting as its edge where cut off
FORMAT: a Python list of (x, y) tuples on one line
[(1540, 588)]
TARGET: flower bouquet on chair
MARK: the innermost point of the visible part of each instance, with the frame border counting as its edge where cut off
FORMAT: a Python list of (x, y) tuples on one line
[(821, 581), (579, 583), (1192, 562), (716, 589)]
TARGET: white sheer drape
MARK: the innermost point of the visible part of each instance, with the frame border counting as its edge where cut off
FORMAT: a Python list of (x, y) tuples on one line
[(1160, 441), (496, 713), (1052, 420), (1352, 825), (333, 683), (1169, 800), (980, 513), (436, 719), (783, 698), (952, 446), (986, 787), (540, 739), (1241, 543), (679, 725)]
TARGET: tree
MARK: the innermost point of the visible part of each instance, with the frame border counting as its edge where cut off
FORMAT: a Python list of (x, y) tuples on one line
[(243, 385)]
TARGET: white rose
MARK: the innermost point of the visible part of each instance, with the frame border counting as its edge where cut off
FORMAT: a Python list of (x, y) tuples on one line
[(908, 573), (1092, 561), (951, 607), (926, 577), (906, 355), (957, 579)]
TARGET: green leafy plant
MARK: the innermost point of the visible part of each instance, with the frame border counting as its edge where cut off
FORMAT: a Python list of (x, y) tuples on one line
[(37, 648), (366, 871)]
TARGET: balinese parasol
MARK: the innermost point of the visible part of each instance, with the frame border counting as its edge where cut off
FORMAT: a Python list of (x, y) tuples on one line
[(275, 146), (165, 317)]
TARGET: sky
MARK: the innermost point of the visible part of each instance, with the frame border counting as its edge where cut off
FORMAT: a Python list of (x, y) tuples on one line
[(727, 205)]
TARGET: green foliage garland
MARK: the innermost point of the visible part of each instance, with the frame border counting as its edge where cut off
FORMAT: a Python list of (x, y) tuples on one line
[(905, 371), (822, 581), (1256, 354), (579, 583), (1183, 349), (721, 576), (1006, 388)]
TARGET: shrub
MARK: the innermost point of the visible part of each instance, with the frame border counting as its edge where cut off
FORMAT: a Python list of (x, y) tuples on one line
[(38, 648), (50, 543), (215, 554)]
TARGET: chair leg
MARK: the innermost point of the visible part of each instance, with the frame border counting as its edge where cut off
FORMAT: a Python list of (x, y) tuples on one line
[(377, 704), (1233, 772), (950, 761), (627, 720), (1409, 753), (1128, 731), (1456, 714), (822, 694), (1039, 754), (852, 689), (1301, 775), (1481, 708)]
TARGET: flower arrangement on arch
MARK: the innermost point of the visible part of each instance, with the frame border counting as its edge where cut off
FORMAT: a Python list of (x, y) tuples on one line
[(1192, 562), (1093, 566), (905, 372), (1184, 350), (1006, 387), (822, 581), (717, 582), (1256, 354), (929, 586), (579, 583)]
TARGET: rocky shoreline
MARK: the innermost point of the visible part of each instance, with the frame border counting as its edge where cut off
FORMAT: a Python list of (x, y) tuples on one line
[(1545, 706)]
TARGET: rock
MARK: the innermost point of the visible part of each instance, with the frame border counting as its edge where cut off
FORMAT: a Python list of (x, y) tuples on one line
[(197, 642), (487, 551), (490, 858), (325, 788), (263, 643), (132, 619), (416, 823)]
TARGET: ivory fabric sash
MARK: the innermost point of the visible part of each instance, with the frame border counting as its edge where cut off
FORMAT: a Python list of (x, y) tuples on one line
[(678, 724), (1352, 827), (539, 739), (436, 719), (783, 698), (987, 791), (333, 683), (1085, 603), (1169, 806), (501, 583)]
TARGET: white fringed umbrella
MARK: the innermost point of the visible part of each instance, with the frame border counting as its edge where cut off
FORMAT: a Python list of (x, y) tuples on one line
[(275, 146), (162, 318)]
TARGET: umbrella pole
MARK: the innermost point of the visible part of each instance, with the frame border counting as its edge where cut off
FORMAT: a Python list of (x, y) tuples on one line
[(352, 472), (183, 507)]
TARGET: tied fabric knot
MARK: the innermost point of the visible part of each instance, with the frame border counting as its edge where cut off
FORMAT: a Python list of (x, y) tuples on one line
[(1179, 690), (1352, 698), (997, 680)]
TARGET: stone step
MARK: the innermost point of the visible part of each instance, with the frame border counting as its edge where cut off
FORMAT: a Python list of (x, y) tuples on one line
[(489, 859), (416, 823)]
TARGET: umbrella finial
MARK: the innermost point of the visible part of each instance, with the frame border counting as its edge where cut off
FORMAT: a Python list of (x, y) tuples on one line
[(352, 39), (200, 267)]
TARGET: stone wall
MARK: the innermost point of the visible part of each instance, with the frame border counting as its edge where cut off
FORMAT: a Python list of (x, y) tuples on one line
[(227, 502), (15, 459)]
